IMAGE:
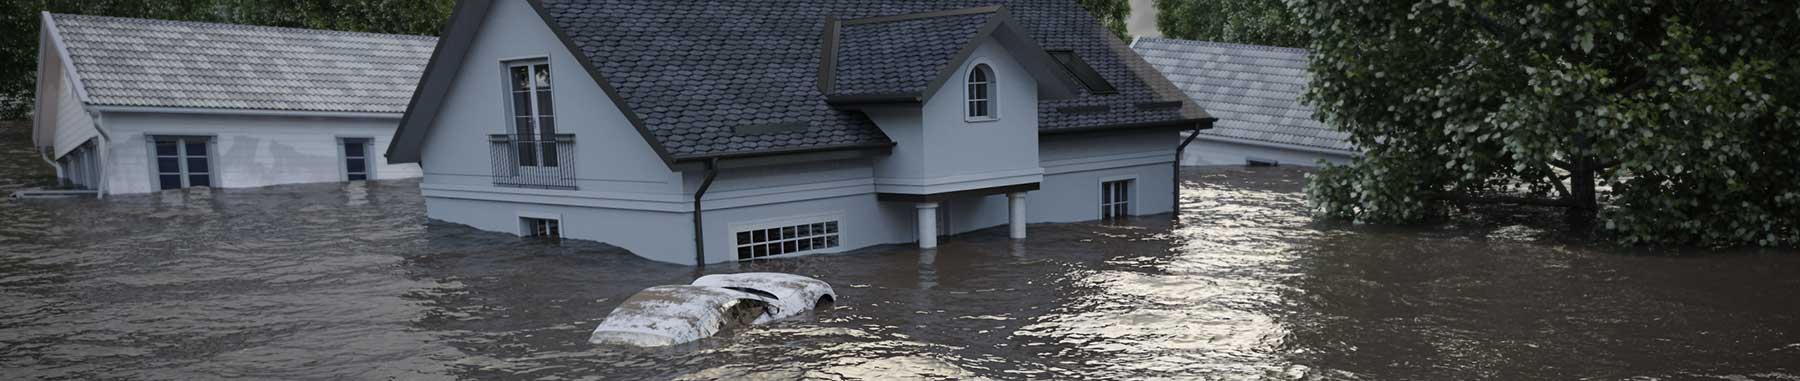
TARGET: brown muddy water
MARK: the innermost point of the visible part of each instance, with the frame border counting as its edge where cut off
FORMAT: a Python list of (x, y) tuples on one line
[(350, 281)]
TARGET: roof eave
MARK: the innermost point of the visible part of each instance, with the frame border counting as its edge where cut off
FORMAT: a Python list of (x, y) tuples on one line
[(880, 146), (1177, 124)]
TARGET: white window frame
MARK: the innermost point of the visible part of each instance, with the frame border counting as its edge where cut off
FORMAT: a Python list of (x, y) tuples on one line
[(512, 115), (212, 162), (528, 231), (783, 222), (368, 158), (993, 89), (1131, 194)]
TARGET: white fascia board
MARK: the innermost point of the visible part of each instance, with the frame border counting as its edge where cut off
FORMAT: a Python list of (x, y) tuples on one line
[(242, 112)]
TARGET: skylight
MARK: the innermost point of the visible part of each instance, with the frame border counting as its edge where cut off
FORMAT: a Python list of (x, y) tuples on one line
[(1083, 73)]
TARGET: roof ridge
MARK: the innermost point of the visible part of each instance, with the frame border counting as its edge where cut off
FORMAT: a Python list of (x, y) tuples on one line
[(219, 25), (922, 15), (1270, 48)]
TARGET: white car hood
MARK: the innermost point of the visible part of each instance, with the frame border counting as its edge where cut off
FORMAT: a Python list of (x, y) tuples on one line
[(669, 315), (793, 293)]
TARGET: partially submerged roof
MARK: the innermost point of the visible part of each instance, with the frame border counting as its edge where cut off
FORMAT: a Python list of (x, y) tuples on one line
[(174, 64), (702, 79), (1253, 90)]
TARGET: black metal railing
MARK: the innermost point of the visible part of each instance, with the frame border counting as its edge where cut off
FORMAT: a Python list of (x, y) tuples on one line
[(533, 161)]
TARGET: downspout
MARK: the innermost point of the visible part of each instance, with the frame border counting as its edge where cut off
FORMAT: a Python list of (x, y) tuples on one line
[(1178, 155), (712, 171)]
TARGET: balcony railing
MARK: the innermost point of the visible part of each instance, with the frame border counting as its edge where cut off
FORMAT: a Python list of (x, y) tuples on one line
[(533, 161)]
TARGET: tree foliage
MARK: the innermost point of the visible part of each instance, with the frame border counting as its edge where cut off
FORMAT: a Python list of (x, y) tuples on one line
[(1112, 13), (20, 19), (1683, 111), (1257, 22)]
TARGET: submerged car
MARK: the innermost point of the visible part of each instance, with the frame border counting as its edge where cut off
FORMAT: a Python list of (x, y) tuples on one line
[(669, 315), (788, 294), (675, 314)]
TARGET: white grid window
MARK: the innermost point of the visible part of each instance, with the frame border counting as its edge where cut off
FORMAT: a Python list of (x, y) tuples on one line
[(183, 162), (1115, 199), (542, 227), (758, 243), (981, 93)]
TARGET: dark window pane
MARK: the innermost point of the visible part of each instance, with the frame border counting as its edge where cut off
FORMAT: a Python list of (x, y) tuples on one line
[(168, 165), (544, 103), (527, 154), (197, 165), (790, 246), (831, 241), (196, 149), (521, 103), (522, 127), (831, 227), (762, 251), (803, 230), (165, 148), (547, 128), (354, 149), (358, 177), (520, 74), (974, 110), (543, 75), (818, 242), (550, 158), (743, 238), (744, 253), (356, 166), (981, 92), (787, 232), (761, 236), (199, 180), (1106, 191), (1124, 192), (973, 90), (170, 181)]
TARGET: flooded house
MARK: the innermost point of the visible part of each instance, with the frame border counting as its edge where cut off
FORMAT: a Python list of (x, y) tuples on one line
[(716, 131), (134, 106), (1255, 92)]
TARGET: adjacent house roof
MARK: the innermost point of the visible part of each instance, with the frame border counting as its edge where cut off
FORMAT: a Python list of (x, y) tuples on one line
[(1253, 90), (691, 75), (173, 64)]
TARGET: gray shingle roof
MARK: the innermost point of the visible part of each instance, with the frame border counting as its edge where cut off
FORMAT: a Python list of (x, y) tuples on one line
[(694, 70), (899, 57), (1253, 90), (158, 63)]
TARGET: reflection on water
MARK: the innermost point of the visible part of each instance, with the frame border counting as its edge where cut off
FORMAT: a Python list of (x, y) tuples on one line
[(351, 281)]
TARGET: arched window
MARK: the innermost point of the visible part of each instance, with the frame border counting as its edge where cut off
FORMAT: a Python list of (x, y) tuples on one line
[(981, 93)]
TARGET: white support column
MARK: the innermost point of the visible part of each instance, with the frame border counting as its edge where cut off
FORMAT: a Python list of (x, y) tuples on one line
[(1016, 204), (928, 229)]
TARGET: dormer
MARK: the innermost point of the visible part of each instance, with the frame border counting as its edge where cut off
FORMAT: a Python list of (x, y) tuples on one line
[(956, 90)]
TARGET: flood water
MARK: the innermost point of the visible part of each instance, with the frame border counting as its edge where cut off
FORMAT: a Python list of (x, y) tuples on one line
[(351, 281)]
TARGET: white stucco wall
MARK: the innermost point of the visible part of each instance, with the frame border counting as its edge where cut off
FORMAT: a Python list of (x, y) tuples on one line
[(1214, 152), (610, 154), (250, 151)]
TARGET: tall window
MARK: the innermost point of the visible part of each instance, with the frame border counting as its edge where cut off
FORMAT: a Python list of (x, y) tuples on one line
[(534, 121), (356, 158), (183, 161), (981, 93), (1115, 199)]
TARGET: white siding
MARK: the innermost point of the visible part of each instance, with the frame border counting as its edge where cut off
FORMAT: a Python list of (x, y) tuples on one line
[(251, 151)]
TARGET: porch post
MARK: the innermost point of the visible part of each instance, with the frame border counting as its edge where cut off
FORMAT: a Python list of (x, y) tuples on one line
[(1016, 204), (928, 232)]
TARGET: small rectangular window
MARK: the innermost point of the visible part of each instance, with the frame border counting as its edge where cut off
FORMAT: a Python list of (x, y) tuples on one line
[(183, 161), (1083, 73), (541, 227), (356, 159), (782, 240), (1115, 199)]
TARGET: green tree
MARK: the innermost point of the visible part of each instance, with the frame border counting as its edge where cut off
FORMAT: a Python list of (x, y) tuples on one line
[(1668, 121), (1112, 13), (1257, 22), (19, 22)]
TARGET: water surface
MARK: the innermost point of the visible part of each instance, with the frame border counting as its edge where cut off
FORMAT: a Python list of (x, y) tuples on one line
[(351, 281)]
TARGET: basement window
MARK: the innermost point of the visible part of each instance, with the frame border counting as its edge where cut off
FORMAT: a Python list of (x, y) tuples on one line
[(1115, 199), (541, 227), (792, 239), (1083, 73)]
